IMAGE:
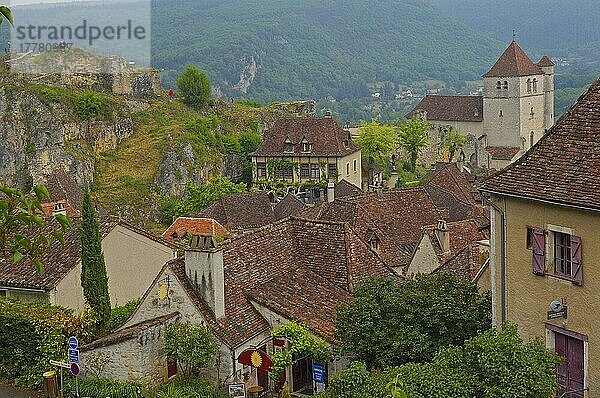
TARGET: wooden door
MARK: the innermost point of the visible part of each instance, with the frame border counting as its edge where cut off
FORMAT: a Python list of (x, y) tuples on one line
[(570, 373)]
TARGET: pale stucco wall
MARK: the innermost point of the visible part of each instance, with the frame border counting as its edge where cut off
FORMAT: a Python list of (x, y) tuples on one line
[(351, 174), (528, 296), (424, 261), (132, 261)]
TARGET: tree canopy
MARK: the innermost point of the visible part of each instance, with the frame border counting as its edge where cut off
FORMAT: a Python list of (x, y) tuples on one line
[(495, 364), (453, 141), (194, 86), (20, 215), (94, 280), (193, 346), (389, 324), (414, 138), (377, 142)]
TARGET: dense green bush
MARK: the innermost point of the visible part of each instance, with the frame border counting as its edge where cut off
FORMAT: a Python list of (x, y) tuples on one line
[(188, 388), (33, 333), (194, 86), (120, 314), (88, 105), (199, 197), (104, 388)]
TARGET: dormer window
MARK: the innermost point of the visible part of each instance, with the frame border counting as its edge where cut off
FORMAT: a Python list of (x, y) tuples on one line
[(288, 146), (306, 147), (346, 144)]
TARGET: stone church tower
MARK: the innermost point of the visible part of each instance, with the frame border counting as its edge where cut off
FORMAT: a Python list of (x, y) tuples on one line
[(518, 100)]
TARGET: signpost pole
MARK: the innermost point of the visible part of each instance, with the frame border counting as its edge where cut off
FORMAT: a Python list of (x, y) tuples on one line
[(61, 383)]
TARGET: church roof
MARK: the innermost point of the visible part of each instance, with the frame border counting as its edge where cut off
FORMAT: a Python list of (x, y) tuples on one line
[(564, 166), (513, 63), (464, 108), (544, 62)]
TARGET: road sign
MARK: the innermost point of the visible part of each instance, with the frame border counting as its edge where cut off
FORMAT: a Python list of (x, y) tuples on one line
[(562, 313), (73, 343), (74, 369), (60, 364), (73, 356), (318, 373)]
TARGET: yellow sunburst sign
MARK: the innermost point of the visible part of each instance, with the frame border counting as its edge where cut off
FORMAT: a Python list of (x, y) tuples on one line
[(256, 359)]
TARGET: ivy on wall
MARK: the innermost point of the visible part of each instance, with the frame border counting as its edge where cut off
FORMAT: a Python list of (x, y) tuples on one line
[(301, 343)]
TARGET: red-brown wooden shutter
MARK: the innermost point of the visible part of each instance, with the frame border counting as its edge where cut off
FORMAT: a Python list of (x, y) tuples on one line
[(576, 259), (539, 251)]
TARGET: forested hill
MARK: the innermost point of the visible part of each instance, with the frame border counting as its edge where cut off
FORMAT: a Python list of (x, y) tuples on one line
[(314, 49), (568, 29)]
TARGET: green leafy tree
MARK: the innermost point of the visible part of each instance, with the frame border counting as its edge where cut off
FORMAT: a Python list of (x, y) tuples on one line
[(199, 197), (496, 364), (195, 87), (377, 142), (453, 142), (192, 346), (389, 324), (94, 280), (20, 215), (414, 138), (5, 13)]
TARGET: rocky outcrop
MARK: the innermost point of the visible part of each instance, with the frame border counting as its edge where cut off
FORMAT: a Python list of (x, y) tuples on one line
[(37, 136), (247, 75)]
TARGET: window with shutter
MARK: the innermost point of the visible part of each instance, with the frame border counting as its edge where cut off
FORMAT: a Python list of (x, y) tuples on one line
[(576, 264), (539, 251)]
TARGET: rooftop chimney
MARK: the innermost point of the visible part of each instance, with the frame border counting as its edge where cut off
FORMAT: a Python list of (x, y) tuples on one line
[(204, 270), (330, 192), (327, 113), (443, 235)]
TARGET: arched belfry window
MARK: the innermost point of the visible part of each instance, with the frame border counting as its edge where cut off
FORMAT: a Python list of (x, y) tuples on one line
[(535, 85), (531, 138), (528, 85), (505, 85), (499, 85)]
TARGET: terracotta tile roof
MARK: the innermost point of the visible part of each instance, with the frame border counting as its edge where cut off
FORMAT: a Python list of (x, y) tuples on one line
[(450, 108), (303, 289), (545, 62), (502, 152), (62, 186), (130, 332), (194, 226), (240, 211), (398, 216), (324, 134), (283, 265), (513, 63), (449, 177), (344, 189), (289, 206), (58, 260), (564, 166), (445, 199)]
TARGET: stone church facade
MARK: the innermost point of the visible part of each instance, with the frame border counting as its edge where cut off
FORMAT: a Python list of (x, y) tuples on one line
[(515, 111)]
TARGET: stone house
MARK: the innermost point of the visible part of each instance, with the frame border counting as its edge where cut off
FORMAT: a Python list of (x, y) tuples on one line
[(133, 257), (515, 111), (300, 149), (392, 221), (459, 246), (293, 269), (545, 223)]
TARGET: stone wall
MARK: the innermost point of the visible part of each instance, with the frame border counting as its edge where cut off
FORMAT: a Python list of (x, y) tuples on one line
[(140, 358)]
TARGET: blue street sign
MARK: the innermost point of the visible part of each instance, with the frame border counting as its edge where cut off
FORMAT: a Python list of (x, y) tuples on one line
[(318, 373), (74, 369), (73, 343), (73, 356)]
